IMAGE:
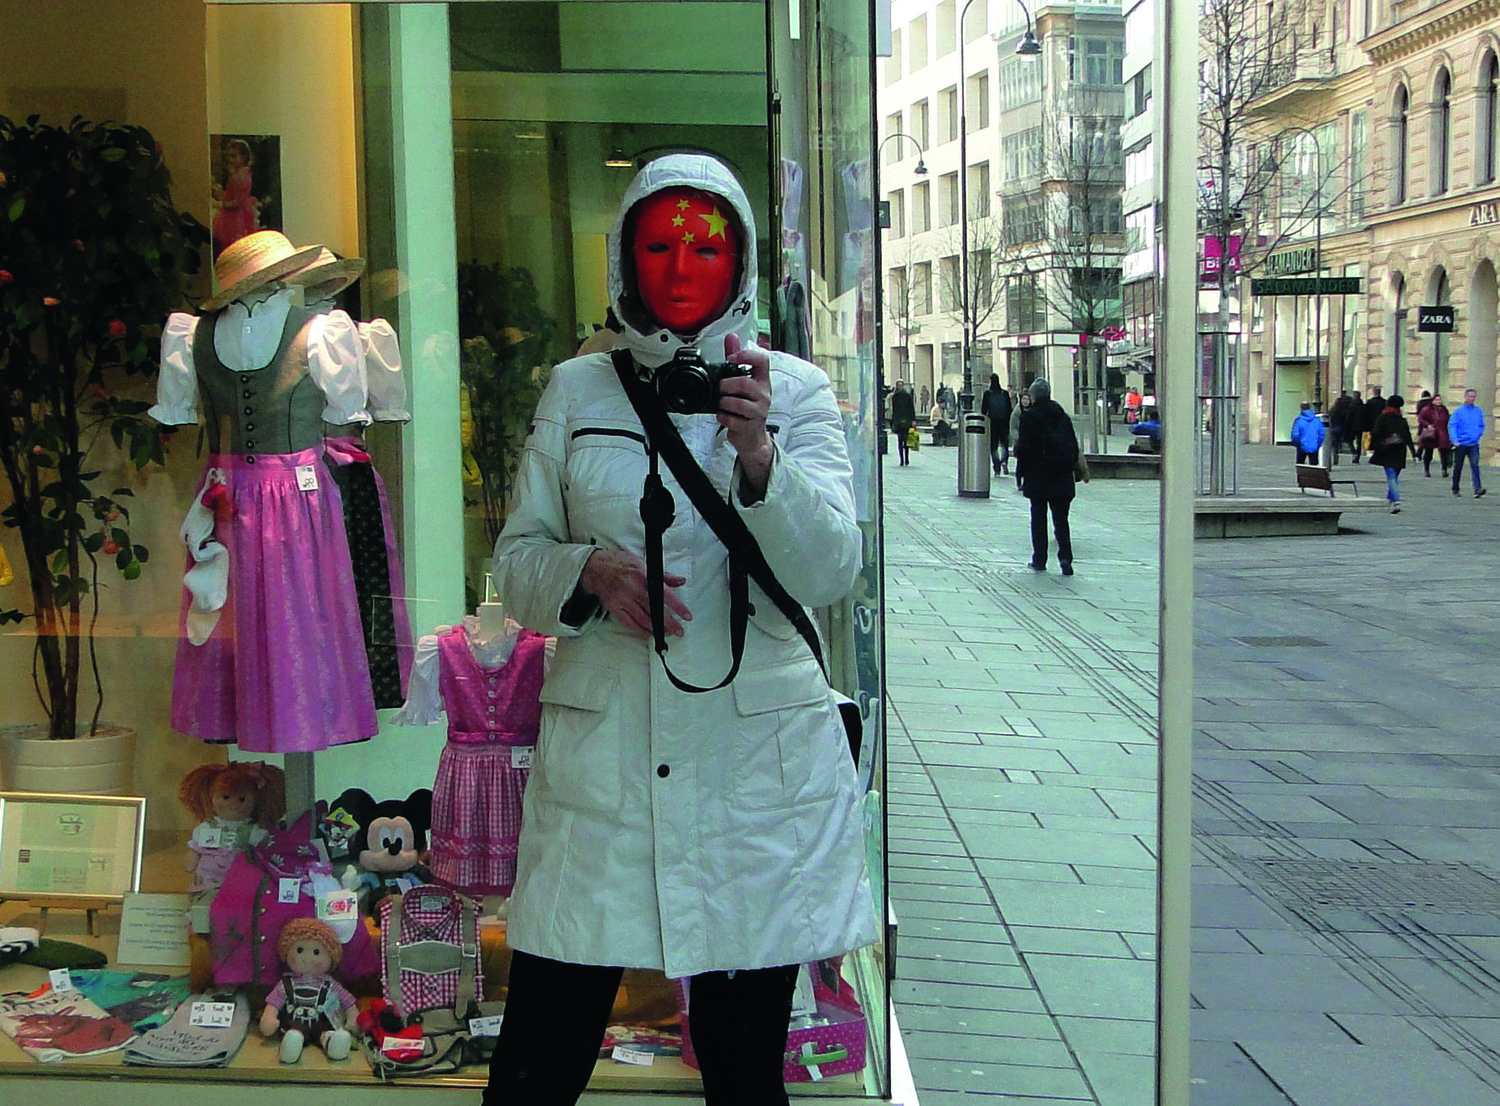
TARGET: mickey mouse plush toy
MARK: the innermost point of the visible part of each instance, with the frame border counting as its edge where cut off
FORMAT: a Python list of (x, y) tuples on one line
[(386, 844)]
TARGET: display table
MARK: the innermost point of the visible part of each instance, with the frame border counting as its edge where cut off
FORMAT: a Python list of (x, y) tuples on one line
[(257, 1060)]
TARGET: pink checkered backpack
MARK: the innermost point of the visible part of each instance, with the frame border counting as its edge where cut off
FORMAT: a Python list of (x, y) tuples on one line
[(429, 952)]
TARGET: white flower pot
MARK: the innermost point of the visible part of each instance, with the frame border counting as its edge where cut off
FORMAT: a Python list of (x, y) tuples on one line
[(101, 764)]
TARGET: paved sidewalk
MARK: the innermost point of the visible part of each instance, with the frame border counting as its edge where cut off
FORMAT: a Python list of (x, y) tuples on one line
[(1347, 814), (1023, 792)]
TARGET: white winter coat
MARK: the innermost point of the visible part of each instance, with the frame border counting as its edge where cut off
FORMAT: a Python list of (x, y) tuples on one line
[(665, 830)]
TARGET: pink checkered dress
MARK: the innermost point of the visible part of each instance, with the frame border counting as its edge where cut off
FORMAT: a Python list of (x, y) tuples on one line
[(476, 801)]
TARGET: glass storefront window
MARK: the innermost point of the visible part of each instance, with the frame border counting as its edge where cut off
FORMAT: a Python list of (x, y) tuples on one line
[(472, 157)]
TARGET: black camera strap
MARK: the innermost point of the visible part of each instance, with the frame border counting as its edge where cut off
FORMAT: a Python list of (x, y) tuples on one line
[(745, 556)]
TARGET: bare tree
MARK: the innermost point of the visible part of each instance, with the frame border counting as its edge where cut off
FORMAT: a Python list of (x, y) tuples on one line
[(980, 313), (900, 302)]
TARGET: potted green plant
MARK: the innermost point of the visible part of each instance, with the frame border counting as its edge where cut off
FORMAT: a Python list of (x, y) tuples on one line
[(93, 255)]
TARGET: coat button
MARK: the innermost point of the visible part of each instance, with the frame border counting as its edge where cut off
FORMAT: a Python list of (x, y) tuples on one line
[(663, 771), (249, 445), (249, 460), (248, 393), (249, 426), (249, 410)]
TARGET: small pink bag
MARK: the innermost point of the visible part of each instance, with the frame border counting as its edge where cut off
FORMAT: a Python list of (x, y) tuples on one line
[(819, 1051)]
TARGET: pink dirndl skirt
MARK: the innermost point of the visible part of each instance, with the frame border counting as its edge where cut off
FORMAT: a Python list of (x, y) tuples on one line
[(476, 818), (284, 670)]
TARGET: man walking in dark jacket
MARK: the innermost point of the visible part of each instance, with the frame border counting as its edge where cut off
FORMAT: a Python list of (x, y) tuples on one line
[(996, 407), (1047, 462), (903, 418), (1371, 411)]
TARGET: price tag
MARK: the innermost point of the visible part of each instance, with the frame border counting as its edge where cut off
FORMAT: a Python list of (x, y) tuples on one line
[(337, 906), (401, 1044), (486, 1026), (520, 755), (623, 1055), (307, 478), (213, 837), (61, 980), (289, 889), (211, 1015)]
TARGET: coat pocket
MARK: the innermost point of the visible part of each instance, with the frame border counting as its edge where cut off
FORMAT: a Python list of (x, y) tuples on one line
[(606, 471), (787, 732), (579, 756)]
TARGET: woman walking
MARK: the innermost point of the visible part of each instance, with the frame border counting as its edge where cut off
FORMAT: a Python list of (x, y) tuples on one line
[(903, 418), (1390, 442), (1015, 428), (1432, 435)]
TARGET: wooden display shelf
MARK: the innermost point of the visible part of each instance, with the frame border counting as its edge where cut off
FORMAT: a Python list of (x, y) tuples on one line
[(257, 1060)]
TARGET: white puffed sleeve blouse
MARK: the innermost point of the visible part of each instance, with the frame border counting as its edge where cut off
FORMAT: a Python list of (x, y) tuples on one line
[(246, 337)]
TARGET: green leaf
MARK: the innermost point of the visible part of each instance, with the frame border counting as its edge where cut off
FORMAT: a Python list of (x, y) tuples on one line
[(132, 571), (93, 542), (17, 206), (142, 554), (11, 616), (60, 562), (119, 537), (123, 559), (112, 153), (122, 491)]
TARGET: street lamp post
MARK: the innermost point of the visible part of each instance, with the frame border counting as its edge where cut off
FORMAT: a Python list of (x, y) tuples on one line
[(921, 171)]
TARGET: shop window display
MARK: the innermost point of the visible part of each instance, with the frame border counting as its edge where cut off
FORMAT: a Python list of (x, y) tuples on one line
[(359, 845)]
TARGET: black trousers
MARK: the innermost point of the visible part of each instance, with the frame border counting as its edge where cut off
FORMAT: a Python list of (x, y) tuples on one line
[(903, 450), (1059, 507), (1306, 458), (1445, 455), (556, 1015)]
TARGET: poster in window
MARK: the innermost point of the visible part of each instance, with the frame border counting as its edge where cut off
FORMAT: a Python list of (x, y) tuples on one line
[(246, 185), (70, 846)]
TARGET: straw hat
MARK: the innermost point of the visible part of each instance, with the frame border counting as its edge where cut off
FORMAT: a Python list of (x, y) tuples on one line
[(328, 275), (254, 261)]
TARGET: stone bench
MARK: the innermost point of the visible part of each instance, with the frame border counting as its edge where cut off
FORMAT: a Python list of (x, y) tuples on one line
[(1267, 513), (1124, 466)]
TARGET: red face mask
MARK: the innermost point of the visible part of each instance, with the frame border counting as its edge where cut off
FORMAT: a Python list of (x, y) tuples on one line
[(686, 248)]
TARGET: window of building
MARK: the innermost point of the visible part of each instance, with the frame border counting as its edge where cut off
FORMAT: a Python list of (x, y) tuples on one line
[(1023, 306), (1020, 81), (1096, 145), (919, 130), (948, 283), (1138, 166), (981, 279), (977, 23), (978, 106), (948, 199), (1351, 339), (947, 39), (898, 214), (1398, 327), (1021, 154), (979, 190), (1023, 220), (890, 141), (1095, 214), (1140, 93), (899, 306), (1140, 28), (1400, 128), (1489, 118), (1442, 131), (916, 44), (1359, 142), (921, 289), (1096, 62), (1442, 296), (921, 207), (893, 63), (948, 114)]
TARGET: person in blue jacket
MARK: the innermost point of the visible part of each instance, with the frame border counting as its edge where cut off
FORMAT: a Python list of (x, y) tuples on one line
[(1307, 435), (1466, 427), (1149, 428)]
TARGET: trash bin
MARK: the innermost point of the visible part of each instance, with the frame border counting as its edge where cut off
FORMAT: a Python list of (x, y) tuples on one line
[(974, 457)]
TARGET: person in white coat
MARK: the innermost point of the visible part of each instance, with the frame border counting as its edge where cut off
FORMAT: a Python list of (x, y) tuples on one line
[(716, 836)]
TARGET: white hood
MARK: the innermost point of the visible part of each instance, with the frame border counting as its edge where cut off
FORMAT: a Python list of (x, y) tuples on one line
[(651, 344)]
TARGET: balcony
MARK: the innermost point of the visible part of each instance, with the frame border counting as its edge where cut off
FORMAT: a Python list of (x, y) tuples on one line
[(1287, 81)]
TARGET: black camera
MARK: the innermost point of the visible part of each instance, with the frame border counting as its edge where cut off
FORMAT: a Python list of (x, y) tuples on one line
[(689, 385)]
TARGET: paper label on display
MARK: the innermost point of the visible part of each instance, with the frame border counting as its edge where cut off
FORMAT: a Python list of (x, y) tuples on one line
[(336, 906), (431, 904), (213, 837), (487, 1026), (401, 1044), (61, 980), (151, 930), (307, 478), (289, 889), (211, 1015), (623, 1055), (520, 755)]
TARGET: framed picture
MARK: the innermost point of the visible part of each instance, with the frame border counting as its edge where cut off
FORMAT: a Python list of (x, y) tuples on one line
[(246, 185), (77, 848)]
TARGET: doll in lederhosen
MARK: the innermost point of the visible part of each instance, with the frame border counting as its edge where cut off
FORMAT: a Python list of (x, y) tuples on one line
[(308, 1003)]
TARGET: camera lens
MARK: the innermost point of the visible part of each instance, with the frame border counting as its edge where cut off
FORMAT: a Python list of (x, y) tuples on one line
[(687, 390)]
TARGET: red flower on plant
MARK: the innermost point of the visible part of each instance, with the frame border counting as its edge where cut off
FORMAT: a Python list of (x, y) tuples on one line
[(78, 244), (36, 451), (110, 548), (116, 328), (6, 277), (50, 301)]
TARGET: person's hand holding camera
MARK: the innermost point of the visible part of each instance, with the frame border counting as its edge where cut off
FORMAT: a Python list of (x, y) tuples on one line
[(744, 403), (618, 581)]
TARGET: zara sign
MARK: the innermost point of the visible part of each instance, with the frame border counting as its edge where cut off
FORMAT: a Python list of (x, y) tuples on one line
[(1435, 320)]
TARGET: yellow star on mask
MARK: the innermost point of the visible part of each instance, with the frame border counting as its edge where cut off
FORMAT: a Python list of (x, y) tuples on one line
[(677, 220), (682, 205), (687, 238), (716, 224)]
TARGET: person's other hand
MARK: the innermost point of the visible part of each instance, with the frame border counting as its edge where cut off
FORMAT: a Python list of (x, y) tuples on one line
[(618, 581), (744, 404)]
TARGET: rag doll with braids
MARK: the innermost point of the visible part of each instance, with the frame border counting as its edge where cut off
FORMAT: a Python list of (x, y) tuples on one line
[(236, 804)]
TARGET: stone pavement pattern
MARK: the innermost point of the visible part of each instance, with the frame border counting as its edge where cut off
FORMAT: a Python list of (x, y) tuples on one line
[(1022, 792), (1347, 806)]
